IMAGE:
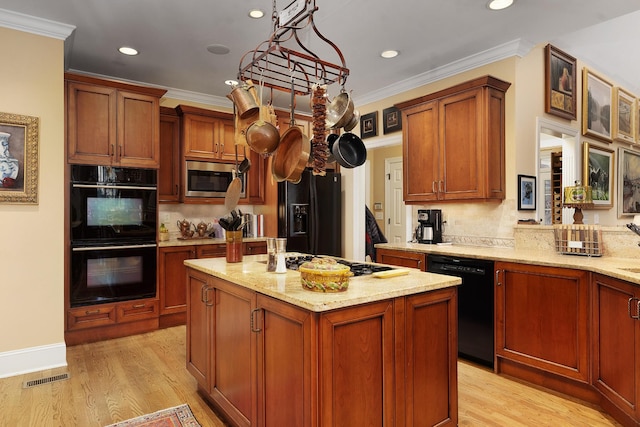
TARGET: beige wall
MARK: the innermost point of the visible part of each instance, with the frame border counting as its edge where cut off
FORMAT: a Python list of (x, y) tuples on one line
[(32, 250)]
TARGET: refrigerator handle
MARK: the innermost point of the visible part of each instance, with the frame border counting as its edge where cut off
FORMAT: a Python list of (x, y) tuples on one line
[(313, 215)]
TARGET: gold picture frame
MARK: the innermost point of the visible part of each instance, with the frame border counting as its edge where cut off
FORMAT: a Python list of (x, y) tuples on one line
[(19, 137), (624, 116), (598, 164), (597, 103), (560, 83)]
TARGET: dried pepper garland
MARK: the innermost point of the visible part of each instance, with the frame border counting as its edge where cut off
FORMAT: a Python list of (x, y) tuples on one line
[(320, 148)]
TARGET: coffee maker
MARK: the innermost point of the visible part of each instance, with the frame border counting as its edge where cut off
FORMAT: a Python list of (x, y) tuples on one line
[(429, 228)]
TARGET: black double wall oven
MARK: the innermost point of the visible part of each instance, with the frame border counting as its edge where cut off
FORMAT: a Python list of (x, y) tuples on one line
[(113, 234)]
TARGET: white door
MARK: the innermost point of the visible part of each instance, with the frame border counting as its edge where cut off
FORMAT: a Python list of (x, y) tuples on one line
[(394, 230)]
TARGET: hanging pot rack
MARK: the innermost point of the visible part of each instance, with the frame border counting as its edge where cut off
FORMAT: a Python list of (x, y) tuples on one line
[(288, 69)]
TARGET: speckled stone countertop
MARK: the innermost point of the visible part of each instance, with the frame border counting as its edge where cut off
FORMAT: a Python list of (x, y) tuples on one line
[(621, 268), (252, 273), (175, 241)]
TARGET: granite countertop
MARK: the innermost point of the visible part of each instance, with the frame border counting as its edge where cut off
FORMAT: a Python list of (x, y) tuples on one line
[(251, 273), (176, 241), (621, 268)]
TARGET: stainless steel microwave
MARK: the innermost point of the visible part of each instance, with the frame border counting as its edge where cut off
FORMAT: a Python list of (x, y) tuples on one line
[(210, 179)]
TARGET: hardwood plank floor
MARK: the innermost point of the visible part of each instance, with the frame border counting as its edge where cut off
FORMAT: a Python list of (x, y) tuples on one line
[(122, 378)]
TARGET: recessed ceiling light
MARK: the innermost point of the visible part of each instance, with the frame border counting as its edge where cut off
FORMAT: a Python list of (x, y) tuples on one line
[(218, 49), (499, 4), (231, 82), (256, 13), (389, 53), (128, 51)]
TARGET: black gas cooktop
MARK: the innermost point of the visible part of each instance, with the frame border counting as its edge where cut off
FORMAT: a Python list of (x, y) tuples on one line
[(357, 268)]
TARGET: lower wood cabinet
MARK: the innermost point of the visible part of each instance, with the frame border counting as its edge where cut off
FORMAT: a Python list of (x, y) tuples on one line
[(616, 347), (542, 326), (263, 362), (402, 258)]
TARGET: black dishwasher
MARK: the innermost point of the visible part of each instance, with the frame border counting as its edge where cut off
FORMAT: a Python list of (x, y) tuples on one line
[(475, 304)]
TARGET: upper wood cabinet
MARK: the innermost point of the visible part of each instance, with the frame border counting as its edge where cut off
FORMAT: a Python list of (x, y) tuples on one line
[(112, 123), (208, 135), (454, 143), (170, 164)]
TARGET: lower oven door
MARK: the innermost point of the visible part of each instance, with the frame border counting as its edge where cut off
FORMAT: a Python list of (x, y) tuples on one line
[(101, 274)]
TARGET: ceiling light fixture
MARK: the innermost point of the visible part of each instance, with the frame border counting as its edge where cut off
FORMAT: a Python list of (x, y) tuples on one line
[(218, 49), (389, 53), (231, 82), (256, 13), (128, 51), (499, 4)]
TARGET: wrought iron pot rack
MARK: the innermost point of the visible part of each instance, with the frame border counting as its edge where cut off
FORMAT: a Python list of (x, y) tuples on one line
[(285, 68)]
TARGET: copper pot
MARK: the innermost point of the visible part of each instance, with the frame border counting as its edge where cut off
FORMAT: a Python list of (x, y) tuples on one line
[(291, 156), (244, 101), (262, 137)]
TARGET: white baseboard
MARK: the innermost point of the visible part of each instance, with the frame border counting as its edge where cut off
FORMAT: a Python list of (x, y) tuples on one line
[(33, 359)]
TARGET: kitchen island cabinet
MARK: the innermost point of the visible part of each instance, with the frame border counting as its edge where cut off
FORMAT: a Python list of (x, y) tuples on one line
[(267, 352)]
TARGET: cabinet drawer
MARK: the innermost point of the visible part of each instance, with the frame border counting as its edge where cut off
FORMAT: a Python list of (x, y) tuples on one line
[(211, 251), (137, 310), (91, 316), (402, 258), (255, 248)]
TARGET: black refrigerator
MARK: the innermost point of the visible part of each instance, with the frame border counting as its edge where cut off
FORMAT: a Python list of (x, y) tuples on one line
[(309, 214)]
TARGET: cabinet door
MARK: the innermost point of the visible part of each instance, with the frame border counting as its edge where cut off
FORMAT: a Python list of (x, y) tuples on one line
[(199, 318), (402, 258), (542, 319), (138, 125), (91, 123), (170, 161), (172, 276), (357, 381), (286, 368), (233, 367), (616, 345), (430, 361), (421, 153), (462, 154), (226, 141), (200, 137)]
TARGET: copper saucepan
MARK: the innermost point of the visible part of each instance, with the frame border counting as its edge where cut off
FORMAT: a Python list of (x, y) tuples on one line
[(291, 156)]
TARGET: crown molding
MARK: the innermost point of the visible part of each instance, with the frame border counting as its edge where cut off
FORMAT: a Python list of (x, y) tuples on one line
[(517, 48), (35, 25)]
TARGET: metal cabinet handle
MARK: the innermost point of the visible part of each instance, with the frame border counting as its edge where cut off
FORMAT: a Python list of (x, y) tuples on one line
[(202, 296), (111, 150), (177, 190), (253, 329), (433, 187), (89, 312), (138, 306), (498, 278), (635, 316)]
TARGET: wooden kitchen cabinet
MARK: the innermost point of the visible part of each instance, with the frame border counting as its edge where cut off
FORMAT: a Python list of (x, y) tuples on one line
[(199, 327), (454, 143), (402, 258), (207, 135), (111, 123), (169, 182), (616, 347), (542, 326), (171, 283)]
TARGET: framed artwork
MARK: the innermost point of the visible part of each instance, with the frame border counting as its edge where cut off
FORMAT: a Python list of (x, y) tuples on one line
[(560, 83), (18, 159), (369, 125), (526, 193), (391, 120), (597, 96), (598, 172), (628, 182), (624, 116)]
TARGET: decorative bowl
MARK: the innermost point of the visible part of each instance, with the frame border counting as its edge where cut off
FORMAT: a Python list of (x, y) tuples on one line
[(324, 275)]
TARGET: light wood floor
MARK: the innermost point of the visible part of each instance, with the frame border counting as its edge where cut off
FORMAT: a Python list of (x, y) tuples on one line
[(119, 379)]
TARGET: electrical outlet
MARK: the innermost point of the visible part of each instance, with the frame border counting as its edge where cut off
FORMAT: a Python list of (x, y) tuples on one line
[(596, 218), (165, 217), (379, 215)]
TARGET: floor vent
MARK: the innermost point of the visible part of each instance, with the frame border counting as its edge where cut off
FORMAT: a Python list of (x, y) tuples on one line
[(47, 380)]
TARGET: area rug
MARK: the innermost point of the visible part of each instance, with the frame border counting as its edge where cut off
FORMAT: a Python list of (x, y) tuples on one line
[(178, 416)]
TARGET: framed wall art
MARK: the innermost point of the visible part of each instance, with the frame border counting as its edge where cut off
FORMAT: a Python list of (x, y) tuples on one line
[(624, 116), (18, 159), (628, 182), (526, 193), (560, 83), (598, 173), (369, 125), (597, 96), (391, 120)]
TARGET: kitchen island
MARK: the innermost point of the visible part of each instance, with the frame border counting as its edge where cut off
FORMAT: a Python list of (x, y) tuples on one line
[(267, 352)]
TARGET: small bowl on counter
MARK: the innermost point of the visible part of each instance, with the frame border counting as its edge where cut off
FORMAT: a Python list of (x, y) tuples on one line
[(324, 275)]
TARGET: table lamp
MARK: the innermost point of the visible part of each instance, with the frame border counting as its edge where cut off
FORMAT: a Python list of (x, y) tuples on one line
[(578, 197)]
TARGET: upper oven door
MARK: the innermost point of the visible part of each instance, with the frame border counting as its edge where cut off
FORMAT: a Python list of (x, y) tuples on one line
[(112, 213)]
